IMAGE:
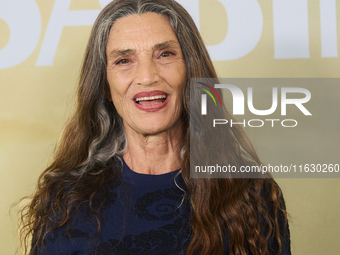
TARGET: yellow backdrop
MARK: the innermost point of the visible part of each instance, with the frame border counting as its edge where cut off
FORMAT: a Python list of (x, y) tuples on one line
[(36, 99)]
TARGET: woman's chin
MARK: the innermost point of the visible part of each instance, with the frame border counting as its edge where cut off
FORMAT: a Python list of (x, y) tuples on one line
[(154, 130)]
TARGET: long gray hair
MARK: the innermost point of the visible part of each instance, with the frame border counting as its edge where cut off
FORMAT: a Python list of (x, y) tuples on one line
[(94, 138)]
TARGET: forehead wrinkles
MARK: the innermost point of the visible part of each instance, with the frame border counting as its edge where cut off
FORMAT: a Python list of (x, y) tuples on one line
[(135, 20), (143, 36), (146, 25), (138, 45), (140, 34)]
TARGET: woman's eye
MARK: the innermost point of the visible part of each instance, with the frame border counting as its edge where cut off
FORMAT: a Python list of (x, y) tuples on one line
[(166, 54), (123, 61)]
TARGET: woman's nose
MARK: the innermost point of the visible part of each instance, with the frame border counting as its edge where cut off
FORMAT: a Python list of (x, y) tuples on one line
[(147, 72)]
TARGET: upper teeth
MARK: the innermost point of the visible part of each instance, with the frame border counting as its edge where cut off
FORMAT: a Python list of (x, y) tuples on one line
[(150, 98)]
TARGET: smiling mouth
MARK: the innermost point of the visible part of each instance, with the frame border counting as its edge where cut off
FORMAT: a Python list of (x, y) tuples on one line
[(151, 100)]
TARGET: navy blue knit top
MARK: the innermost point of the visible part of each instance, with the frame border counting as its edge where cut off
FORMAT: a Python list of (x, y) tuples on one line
[(143, 215)]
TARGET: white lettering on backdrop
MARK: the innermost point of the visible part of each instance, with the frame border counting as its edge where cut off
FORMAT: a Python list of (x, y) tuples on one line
[(245, 24), (24, 22)]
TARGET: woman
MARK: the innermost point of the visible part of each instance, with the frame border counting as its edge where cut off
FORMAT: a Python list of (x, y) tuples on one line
[(120, 180)]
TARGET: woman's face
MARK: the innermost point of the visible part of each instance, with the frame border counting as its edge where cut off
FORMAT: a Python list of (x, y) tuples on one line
[(146, 73)]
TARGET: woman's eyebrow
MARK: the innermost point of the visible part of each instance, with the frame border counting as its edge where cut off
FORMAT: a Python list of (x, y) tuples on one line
[(159, 46), (166, 44), (117, 53)]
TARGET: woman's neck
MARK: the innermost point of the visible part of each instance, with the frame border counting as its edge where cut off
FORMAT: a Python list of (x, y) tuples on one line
[(154, 154)]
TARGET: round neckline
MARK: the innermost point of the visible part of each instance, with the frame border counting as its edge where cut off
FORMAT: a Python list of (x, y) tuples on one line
[(134, 177)]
